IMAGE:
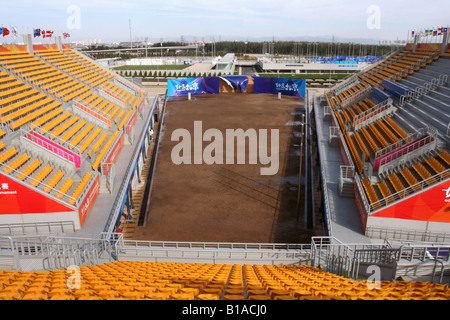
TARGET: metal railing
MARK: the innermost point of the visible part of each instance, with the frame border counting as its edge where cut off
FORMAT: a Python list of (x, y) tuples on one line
[(407, 234), (406, 192), (424, 89), (376, 112), (354, 98), (110, 224), (428, 133)]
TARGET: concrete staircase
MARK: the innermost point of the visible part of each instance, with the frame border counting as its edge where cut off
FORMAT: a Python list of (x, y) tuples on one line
[(138, 197), (432, 109)]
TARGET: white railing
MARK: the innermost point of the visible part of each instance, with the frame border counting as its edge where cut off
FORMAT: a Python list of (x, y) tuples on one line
[(424, 89), (37, 227), (39, 185), (105, 159), (110, 224), (25, 133), (354, 98), (409, 191), (347, 172), (413, 137), (381, 110), (400, 234), (214, 251), (333, 133)]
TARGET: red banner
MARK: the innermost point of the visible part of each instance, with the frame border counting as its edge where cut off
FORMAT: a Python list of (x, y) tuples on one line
[(93, 114), (16, 198), (55, 148), (131, 123), (430, 205), (114, 154), (89, 200)]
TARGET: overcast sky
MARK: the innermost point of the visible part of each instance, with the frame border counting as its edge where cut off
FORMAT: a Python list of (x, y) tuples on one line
[(108, 20)]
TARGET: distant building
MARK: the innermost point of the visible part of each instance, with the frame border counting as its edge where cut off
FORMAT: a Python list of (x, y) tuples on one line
[(226, 62)]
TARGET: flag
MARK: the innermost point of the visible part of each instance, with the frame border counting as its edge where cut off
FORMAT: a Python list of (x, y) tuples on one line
[(37, 32), (444, 30), (412, 34), (1, 30), (434, 33), (66, 35), (5, 31), (14, 31), (47, 33), (439, 31)]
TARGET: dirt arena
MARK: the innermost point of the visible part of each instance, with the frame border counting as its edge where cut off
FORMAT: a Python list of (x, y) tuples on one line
[(228, 202)]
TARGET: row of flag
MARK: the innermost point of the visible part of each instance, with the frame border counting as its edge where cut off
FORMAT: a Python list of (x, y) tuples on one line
[(5, 31), (37, 32), (431, 32), (47, 33)]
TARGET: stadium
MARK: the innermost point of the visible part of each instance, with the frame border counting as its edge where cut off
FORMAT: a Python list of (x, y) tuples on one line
[(94, 207)]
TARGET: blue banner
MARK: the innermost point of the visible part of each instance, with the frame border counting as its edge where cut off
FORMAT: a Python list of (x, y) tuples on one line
[(210, 85), (287, 87), (236, 82), (262, 85), (182, 87)]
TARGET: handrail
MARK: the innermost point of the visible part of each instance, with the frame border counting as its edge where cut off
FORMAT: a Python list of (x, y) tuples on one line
[(421, 133), (424, 89), (370, 113), (40, 185), (109, 226), (414, 189)]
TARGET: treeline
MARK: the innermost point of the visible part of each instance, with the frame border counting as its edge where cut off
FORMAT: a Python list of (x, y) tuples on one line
[(242, 48), (165, 74), (304, 49)]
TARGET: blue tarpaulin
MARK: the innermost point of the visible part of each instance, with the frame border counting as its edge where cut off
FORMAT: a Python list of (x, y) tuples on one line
[(394, 88), (379, 94), (236, 82)]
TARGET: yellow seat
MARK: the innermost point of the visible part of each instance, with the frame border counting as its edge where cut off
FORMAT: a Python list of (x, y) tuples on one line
[(275, 293), (207, 296), (286, 297), (107, 294), (77, 293), (209, 290), (259, 297), (182, 296), (233, 297), (133, 295), (35, 296), (167, 290), (62, 297), (157, 296), (194, 291)]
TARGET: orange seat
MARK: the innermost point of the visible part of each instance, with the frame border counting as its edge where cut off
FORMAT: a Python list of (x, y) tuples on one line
[(259, 297), (233, 297), (206, 296), (182, 296)]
